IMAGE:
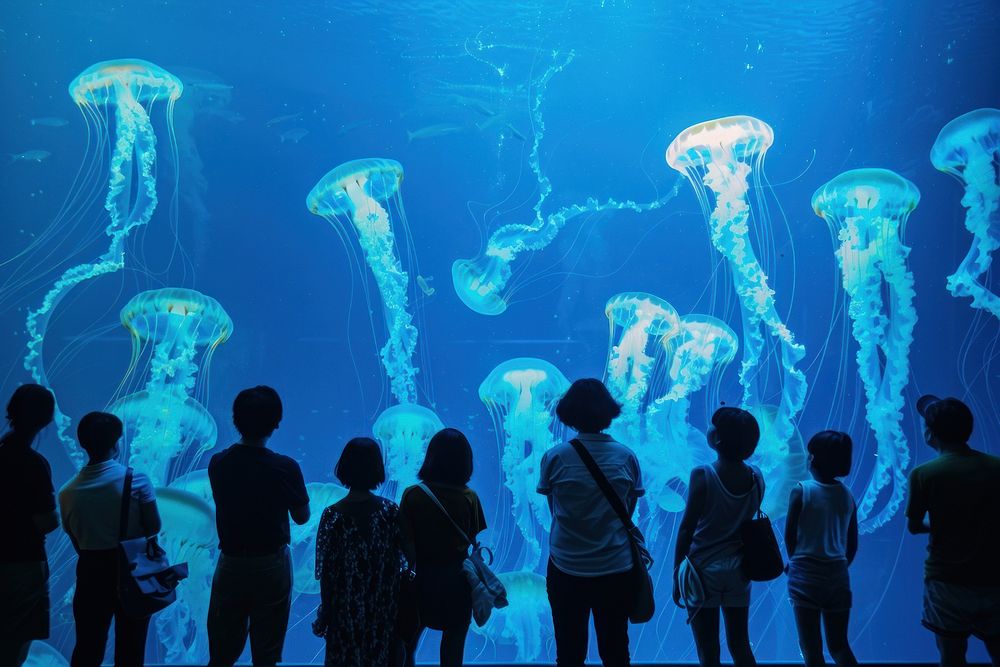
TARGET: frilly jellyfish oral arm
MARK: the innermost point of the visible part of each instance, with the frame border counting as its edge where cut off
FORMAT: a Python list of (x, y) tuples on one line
[(982, 219)]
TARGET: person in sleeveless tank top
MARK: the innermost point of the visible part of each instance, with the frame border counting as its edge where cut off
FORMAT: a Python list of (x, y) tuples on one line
[(708, 575), (821, 535)]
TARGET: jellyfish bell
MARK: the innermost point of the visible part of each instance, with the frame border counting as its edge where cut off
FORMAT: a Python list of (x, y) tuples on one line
[(527, 621), (969, 138), (43, 654), (641, 318), (353, 186), (155, 315), (480, 282), (871, 194), (303, 537), (740, 137), (517, 384), (653, 314), (403, 431), (106, 82)]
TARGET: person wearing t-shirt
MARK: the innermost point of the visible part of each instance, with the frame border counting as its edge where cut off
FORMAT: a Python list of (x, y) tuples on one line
[(90, 504), (27, 514), (255, 491), (955, 498)]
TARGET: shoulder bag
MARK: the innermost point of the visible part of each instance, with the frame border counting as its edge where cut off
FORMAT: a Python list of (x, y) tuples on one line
[(643, 605), (762, 559)]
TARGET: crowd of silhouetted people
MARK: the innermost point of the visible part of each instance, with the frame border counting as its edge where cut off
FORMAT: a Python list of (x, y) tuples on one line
[(388, 571)]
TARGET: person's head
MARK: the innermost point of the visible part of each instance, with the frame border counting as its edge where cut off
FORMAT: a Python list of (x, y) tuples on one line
[(734, 433), (947, 421), (448, 459), (98, 433), (830, 453), (30, 409), (360, 466), (257, 412), (588, 406)]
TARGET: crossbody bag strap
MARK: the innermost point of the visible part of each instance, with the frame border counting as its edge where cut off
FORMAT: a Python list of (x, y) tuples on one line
[(603, 484), (434, 499), (126, 502)]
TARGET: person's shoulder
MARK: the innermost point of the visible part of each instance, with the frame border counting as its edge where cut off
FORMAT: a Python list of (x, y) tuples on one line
[(470, 493), (220, 457), (557, 450), (408, 494), (388, 506), (284, 460)]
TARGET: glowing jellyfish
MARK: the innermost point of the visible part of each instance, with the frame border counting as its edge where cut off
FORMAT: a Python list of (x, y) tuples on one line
[(720, 156), (131, 88), (42, 654), (867, 210), (969, 149), (521, 395), (303, 538), (482, 283), (527, 621), (354, 193), (166, 428), (404, 431)]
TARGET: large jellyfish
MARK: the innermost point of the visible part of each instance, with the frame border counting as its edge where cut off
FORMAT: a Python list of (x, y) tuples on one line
[(131, 87), (527, 621), (404, 430), (482, 283), (354, 193), (969, 149), (166, 427), (867, 210), (521, 395), (303, 538), (719, 157)]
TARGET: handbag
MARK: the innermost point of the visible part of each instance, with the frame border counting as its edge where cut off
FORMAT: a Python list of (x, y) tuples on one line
[(762, 559), (488, 593), (147, 582), (643, 605)]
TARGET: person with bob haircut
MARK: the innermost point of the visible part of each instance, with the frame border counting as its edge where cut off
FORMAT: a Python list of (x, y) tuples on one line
[(955, 498), (27, 514), (590, 554), (708, 558), (359, 562), (91, 504), (821, 535), (255, 490), (435, 548)]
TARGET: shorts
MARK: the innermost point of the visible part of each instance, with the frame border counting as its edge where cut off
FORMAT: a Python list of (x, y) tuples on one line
[(723, 583), (820, 585), (958, 611), (443, 596), (24, 600)]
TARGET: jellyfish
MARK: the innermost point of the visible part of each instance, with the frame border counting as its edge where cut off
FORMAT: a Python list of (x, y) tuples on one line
[(164, 423), (131, 87), (867, 210), (527, 621), (303, 538), (404, 431), (969, 149), (43, 654), (355, 192), (481, 282), (781, 469), (521, 395), (720, 156)]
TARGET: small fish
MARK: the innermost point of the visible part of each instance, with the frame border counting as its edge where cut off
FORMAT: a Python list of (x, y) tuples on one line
[(346, 128), (515, 133), (49, 121), (282, 119), (431, 131), (294, 135), (424, 287), (29, 156)]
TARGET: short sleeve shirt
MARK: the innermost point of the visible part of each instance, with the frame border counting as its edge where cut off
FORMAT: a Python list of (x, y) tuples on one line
[(587, 538), (90, 504), (25, 491), (254, 489), (434, 538)]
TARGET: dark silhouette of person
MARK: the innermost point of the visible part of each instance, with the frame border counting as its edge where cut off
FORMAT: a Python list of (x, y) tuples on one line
[(90, 504), (590, 556), (255, 491), (435, 548), (722, 496), (359, 563), (821, 536), (27, 515), (955, 498)]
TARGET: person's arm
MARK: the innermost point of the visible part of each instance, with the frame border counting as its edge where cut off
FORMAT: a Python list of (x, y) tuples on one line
[(638, 490), (324, 556), (406, 540), (792, 520), (852, 537), (544, 486), (46, 522), (45, 516), (300, 515), (298, 497), (689, 522), (916, 507), (149, 516)]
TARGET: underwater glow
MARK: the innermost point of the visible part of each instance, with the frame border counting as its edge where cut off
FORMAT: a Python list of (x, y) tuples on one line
[(131, 87), (404, 431), (521, 395), (968, 148), (867, 210), (303, 538), (41, 654), (527, 621)]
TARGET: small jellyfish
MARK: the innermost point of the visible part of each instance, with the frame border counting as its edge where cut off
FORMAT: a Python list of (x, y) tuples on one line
[(527, 621), (404, 431), (969, 149), (781, 470), (43, 654), (303, 538), (521, 395), (867, 210)]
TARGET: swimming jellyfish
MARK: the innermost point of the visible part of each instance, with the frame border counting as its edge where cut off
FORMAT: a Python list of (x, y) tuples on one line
[(42, 654), (521, 395), (303, 538), (404, 431), (131, 87), (969, 149), (719, 157), (867, 210), (354, 193), (165, 425), (527, 621)]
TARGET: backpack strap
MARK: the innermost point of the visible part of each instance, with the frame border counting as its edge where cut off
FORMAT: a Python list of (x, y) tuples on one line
[(430, 494), (126, 502)]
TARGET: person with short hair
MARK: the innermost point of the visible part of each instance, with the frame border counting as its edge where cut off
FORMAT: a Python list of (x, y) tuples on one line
[(821, 536), (359, 562), (590, 555), (255, 491), (722, 496), (435, 548), (955, 499), (27, 514), (91, 504)]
